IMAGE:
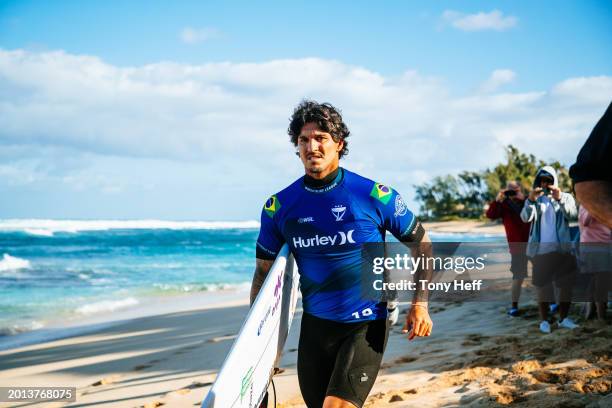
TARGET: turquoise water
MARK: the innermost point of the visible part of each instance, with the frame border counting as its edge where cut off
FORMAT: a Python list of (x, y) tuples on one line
[(91, 272), (52, 269)]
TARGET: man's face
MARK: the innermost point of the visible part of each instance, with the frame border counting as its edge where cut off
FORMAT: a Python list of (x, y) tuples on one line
[(516, 188), (318, 150), (546, 182)]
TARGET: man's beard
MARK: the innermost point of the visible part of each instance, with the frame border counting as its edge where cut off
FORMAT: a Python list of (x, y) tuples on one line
[(316, 168)]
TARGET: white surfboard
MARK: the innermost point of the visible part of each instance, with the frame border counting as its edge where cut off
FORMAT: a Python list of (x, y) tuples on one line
[(247, 369)]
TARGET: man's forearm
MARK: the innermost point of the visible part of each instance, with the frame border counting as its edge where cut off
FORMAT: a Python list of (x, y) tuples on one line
[(262, 267), (596, 196), (424, 273)]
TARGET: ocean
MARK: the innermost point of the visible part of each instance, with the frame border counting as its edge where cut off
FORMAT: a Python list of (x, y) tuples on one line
[(56, 272)]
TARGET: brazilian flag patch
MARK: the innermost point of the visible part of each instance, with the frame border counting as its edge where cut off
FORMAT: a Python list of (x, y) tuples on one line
[(381, 192), (272, 206)]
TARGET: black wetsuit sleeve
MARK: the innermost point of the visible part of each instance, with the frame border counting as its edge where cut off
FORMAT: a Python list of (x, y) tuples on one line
[(594, 161), (416, 234)]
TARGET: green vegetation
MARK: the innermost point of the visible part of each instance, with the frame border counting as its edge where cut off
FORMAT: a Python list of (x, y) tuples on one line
[(465, 195)]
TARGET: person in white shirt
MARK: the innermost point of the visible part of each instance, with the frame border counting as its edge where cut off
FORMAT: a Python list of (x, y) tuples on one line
[(549, 211)]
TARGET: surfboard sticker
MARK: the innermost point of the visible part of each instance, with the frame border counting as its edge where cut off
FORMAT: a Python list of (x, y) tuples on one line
[(248, 367)]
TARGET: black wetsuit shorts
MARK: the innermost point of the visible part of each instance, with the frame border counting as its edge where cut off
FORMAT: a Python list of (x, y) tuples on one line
[(339, 359)]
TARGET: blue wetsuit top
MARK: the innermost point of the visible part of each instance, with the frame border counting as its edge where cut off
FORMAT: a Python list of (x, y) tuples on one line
[(324, 228)]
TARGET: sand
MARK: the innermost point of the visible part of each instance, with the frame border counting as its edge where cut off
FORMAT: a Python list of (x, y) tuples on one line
[(477, 356), (168, 358)]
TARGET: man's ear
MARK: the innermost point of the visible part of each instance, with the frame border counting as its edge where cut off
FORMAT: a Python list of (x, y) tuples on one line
[(340, 146)]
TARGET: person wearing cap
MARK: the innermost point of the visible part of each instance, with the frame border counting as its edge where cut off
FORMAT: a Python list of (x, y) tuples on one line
[(549, 210), (507, 206)]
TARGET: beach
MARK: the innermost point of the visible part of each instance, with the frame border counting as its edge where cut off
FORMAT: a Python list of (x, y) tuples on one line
[(133, 362), (477, 356), (162, 162)]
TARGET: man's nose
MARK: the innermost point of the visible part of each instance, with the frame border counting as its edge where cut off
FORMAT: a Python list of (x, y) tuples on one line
[(313, 145)]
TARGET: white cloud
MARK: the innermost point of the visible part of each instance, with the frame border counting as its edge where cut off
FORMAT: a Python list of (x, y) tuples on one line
[(18, 175), (190, 35), (498, 78), (91, 125), (585, 89), (494, 20)]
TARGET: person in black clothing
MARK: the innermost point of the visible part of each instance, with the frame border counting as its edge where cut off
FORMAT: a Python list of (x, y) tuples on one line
[(592, 177), (592, 172)]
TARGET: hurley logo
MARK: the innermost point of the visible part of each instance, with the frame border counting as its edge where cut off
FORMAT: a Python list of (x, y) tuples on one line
[(338, 211), (340, 238)]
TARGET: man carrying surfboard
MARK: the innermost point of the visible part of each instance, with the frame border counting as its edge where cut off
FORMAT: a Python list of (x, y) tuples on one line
[(324, 217)]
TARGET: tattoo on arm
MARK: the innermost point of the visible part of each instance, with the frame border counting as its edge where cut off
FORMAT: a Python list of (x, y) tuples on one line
[(262, 267), (424, 272)]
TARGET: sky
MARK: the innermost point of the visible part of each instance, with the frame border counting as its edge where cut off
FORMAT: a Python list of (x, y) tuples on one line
[(179, 110)]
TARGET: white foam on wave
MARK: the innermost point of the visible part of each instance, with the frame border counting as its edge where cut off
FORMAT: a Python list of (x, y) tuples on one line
[(40, 232), (21, 328), (49, 227), (106, 306), (12, 263), (206, 287)]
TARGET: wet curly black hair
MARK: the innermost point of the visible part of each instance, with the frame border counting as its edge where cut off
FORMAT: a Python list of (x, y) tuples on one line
[(325, 116)]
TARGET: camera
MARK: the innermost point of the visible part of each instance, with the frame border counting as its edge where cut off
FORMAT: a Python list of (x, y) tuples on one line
[(509, 193)]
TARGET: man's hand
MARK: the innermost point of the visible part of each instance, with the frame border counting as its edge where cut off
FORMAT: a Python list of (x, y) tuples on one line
[(556, 192), (500, 196), (418, 322), (535, 193)]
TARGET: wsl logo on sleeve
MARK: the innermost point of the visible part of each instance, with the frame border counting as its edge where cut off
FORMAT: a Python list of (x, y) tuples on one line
[(339, 238), (400, 207)]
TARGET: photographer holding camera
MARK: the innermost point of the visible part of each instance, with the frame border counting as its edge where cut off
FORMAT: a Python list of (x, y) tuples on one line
[(549, 211), (507, 206)]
